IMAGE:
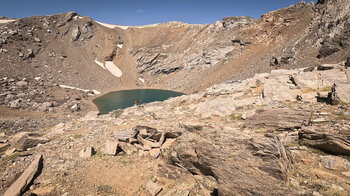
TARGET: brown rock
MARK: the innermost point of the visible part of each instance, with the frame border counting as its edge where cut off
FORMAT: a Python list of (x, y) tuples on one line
[(168, 142), (153, 188), (279, 119), (4, 147), (87, 152), (24, 140), (155, 152), (18, 187), (326, 142), (240, 163), (110, 148)]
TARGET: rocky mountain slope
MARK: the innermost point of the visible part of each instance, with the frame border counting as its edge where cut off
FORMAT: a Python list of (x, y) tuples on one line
[(267, 110)]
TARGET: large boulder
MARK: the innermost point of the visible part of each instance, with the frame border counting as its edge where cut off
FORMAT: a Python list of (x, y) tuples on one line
[(279, 119), (24, 140), (239, 163)]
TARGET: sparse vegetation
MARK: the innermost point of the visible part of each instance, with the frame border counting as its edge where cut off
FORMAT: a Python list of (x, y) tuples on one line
[(323, 89), (11, 157), (237, 116), (77, 136), (341, 116)]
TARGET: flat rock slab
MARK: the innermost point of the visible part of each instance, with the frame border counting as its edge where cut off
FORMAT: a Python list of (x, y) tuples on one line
[(279, 119), (18, 187)]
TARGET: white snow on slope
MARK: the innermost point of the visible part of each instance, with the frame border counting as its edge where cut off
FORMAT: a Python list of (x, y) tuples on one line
[(113, 69), (80, 89), (5, 21), (126, 27)]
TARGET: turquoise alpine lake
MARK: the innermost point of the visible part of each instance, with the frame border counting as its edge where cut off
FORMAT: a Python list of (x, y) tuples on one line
[(127, 98)]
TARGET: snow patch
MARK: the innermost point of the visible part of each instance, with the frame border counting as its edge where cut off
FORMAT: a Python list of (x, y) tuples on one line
[(6, 21), (142, 80), (100, 64), (113, 69), (126, 27), (80, 89)]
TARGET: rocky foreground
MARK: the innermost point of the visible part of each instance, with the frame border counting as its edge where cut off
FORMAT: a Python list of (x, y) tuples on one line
[(279, 133)]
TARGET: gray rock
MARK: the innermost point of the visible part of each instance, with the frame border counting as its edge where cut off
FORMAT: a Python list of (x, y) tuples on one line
[(75, 107), (20, 185), (75, 33), (230, 22), (125, 135), (30, 54), (334, 162), (66, 18), (87, 152)]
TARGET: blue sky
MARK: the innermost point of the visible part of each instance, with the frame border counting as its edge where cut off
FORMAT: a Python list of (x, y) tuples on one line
[(141, 12)]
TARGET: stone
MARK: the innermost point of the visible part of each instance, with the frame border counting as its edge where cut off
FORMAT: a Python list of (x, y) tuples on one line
[(66, 18), (278, 119), (324, 67), (20, 185), (153, 188), (326, 142), (21, 83), (230, 22), (75, 107), (147, 144), (75, 33), (319, 120), (168, 142), (110, 148), (37, 39), (126, 135), (24, 140), (347, 174), (87, 152), (343, 92), (10, 152), (16, 103), (224, 156), (143, 153), (30, 54), (3, 147), (334, 162), (347, 64), (155, 152)]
